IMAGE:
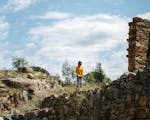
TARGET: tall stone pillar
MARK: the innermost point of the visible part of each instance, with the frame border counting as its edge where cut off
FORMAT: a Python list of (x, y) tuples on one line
[(139, 44)]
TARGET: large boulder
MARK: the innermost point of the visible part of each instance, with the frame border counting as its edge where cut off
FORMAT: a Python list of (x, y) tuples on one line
[(25, 69)]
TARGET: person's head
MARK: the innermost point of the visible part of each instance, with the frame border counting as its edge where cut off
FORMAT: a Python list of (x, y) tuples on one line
[(79, 63)]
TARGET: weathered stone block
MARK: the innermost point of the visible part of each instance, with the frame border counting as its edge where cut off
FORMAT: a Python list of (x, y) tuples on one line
[(140, 114), (30, 116), (143, 101)]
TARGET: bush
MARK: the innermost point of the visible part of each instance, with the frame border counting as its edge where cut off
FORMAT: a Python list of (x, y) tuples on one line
[(39, 69)]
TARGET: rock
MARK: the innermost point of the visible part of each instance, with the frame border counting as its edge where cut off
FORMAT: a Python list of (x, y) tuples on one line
[(48, 101), (25, 69), (1, 118), (140, 115), (25, 95), (2, 90), (45, 118), (30, 116), (143, 101), (128, 99), (15, 84), (6, 106), (20, 117), (30, 76), (42, 113)]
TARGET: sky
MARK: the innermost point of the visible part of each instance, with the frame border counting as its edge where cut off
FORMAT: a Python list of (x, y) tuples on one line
[(49, 32)]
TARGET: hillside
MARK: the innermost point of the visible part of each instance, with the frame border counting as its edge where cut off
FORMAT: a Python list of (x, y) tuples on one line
[(124, 99), (18, 88), (24, 91)]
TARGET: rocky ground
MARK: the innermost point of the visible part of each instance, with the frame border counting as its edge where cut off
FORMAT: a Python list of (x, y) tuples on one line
[(23, 92), (18, 88), (124, 99)]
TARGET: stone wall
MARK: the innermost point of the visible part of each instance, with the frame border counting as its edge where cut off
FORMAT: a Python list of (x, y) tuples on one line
[(139, 45), (127, 98)]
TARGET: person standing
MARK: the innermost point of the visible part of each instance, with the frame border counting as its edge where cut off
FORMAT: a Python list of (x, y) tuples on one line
[(79, 73)]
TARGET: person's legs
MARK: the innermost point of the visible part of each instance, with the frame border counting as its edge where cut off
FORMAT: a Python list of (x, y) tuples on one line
[(80, 82)]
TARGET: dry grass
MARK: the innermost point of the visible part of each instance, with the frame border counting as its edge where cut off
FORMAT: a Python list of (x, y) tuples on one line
[(34, 103), (38, 98), (4, 74)]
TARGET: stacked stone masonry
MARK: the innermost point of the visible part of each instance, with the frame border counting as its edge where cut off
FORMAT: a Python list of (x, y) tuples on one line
[(139, 44)]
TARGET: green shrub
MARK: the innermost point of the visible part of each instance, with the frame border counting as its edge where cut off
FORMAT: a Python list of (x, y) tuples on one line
[(97, 76), (39, 69)]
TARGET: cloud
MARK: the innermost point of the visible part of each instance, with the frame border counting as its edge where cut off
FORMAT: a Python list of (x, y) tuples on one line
[(3, 62), (4, 31), (145, 15), (114, 2), (17, 5), (116, 64), (52, 15), (30, 45), (91, 39), (4, 28)]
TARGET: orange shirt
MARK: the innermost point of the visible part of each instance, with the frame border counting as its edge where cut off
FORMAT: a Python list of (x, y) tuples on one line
[(79, 71)]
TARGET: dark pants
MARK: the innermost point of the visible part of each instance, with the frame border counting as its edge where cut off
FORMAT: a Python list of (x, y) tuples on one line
[(79, 81)]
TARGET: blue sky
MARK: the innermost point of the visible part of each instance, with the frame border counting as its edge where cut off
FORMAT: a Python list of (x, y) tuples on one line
[(48, 32)]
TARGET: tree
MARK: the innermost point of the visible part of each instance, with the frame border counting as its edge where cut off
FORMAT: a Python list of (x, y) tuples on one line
[(106, 80), (68, 72), (90, 77), (99, 73), (19, 62), (97, 76), (39, 69)]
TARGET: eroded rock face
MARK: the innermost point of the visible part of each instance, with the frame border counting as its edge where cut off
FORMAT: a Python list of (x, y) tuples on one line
[(13, 100), (26, 88), (139, 44)]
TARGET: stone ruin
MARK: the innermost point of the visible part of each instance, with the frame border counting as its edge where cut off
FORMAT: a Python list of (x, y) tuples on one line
[(139, 44), (127, 98)]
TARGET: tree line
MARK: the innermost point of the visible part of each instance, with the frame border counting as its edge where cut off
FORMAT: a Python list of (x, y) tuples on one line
[(68, 71)]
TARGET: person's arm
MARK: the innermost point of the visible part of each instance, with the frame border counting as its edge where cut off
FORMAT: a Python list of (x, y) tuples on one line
[(76, 71), (82, 72)]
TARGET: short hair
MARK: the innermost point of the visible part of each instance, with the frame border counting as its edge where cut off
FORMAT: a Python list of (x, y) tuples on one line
[(79, 62)]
